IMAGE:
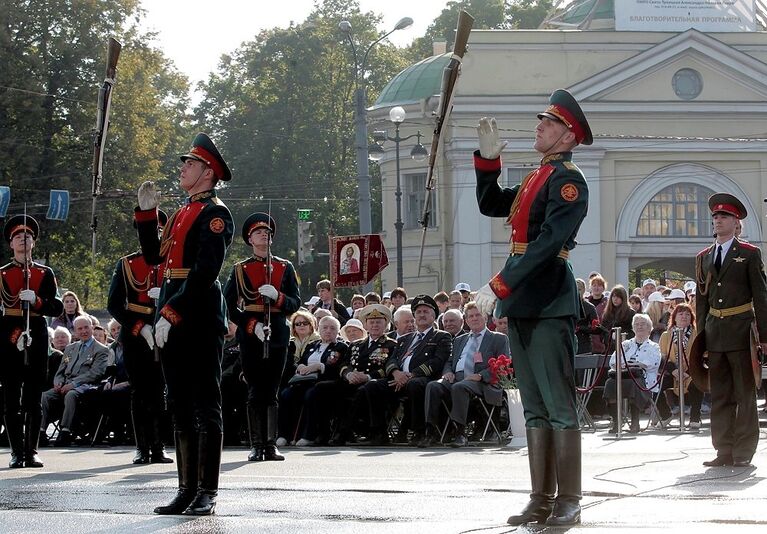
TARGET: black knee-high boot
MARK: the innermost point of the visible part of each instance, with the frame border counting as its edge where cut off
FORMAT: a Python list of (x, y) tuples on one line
[(256, 435), (567, 508), (271, 453), (31, 437), (543, 477), (186, 463), (15, 432), (210, 445)]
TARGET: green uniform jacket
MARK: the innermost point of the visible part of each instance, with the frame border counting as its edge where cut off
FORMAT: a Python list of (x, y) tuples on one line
[(740, 281), (545, 212)]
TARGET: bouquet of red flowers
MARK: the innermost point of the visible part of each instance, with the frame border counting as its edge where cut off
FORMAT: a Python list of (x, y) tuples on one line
[(502, 372)]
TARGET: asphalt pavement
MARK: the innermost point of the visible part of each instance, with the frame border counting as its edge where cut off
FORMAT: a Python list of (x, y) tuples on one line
[(651, 483)]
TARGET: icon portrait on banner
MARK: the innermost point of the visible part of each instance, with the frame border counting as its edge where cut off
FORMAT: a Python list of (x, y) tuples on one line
[(350, 259)]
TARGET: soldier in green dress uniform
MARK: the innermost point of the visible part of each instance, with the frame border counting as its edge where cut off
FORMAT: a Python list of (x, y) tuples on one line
[(536, 290), (731, 295)]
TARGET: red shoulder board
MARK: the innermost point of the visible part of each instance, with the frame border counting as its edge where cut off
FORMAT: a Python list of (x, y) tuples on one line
[(705, 251), (747, 245)]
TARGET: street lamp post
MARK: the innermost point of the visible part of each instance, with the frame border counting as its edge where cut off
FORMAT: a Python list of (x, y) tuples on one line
[(360, 121), (418, 152)]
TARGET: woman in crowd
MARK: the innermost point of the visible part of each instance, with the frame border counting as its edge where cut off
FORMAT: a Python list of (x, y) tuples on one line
[(635, 303), (59, 338), (642, 357), (617, 313), (72, 310), (656, 309), (598, 299), (352, 331), (100, 335), (303, 332), (319, 362), (682, 322), (357, 303)]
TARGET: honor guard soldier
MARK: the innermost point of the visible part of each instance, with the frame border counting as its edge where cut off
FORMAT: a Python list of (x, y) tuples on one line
[(191, 319), (261, 294), (27, 297), (731, 306), (536, 290), (132, 296), (366, 361)]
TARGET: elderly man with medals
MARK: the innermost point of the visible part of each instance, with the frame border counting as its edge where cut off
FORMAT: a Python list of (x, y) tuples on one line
[(28, 291), (536, 290), (261, 294)]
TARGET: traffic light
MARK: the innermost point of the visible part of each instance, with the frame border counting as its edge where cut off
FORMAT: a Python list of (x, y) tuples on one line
[(306, 239)]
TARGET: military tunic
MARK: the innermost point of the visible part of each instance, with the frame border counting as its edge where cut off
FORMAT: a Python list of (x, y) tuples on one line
[(191, 253), (536, 288), (727, 302)]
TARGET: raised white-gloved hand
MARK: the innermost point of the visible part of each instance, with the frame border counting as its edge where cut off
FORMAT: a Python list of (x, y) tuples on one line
[(269, 291), (148, 196), (24, 341), (485, 299), (153, 293), (258, 330), (490, 144), (27, 295), (146, 333), (161, 330)]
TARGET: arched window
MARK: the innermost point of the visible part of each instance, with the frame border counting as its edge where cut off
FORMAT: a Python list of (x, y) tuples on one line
[(679, 210)]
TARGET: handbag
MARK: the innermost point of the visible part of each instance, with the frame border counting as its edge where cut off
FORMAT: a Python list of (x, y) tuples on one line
[(301, 379)]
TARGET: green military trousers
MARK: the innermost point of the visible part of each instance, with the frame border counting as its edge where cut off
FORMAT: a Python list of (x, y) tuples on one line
[(543, 356)]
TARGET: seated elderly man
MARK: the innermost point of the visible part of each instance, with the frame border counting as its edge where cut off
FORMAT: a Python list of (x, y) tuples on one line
[(82, 368), (465, 375), (452, 322), (642, 360), (417, 359), (403, 322)]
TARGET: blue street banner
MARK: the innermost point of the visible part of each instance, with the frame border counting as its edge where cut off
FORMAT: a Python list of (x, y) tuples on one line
[(5, 199), (58, 208)]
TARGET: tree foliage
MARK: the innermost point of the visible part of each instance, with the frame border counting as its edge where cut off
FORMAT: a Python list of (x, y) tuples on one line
[(53, 56)]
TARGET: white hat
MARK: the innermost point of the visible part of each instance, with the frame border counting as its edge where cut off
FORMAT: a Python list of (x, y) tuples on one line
[(656, 296), (650, 281), (689, 286), (462, 286), (351, 323), (312, 301), (387, 295), (676, 294)]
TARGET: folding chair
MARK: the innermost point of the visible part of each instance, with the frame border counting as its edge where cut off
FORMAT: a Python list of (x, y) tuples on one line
[(588, 364), (489, 423)]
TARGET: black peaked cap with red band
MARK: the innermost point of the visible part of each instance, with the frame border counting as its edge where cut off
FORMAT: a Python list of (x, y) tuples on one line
[(565, 109), (726, 203), (204, 150), (254, 222), (18, 223)]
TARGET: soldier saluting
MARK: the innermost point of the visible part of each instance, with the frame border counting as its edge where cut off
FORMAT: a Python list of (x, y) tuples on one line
[(536, 290), (731, 293), (132, 293), (25, 354), (191, 319), (260, 285)]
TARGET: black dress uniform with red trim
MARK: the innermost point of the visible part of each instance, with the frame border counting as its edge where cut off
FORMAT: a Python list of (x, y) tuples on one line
[(192, 251), (129, 303), (247, 308), (536, 290), (728, 301), (23, 382)]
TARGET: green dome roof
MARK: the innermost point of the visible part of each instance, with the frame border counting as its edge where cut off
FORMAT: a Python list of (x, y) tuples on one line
[(418, 81)]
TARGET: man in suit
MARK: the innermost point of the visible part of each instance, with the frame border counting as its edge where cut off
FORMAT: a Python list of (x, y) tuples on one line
[(731, 293), (417, 359), (536, 290), (465, 375), (82, 368)]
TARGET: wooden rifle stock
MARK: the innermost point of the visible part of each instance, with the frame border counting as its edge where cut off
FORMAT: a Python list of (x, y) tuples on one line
[(447, 91)]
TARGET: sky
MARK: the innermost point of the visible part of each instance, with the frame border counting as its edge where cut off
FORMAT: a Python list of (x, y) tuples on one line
[(177, 22)]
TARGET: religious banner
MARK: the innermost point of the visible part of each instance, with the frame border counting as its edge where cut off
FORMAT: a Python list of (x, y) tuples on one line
[(356, 259)]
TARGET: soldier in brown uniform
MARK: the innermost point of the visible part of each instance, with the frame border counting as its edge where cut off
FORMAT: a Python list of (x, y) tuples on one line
[(731, 291)]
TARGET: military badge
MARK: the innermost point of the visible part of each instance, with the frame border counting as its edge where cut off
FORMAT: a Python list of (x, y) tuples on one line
[(569, 192), (739, 259), (217, 225)]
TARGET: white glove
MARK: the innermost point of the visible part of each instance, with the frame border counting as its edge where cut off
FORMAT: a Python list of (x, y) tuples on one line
[(153, 293), (259, 331), (485, 299), (269, 291), (148, 196), (24, 341), (28, 295), (490, 145), (146, 333), (161, 330)]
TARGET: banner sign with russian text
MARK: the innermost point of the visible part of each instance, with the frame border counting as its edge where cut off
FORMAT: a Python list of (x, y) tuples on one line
[(681, 15), (356, 259)]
